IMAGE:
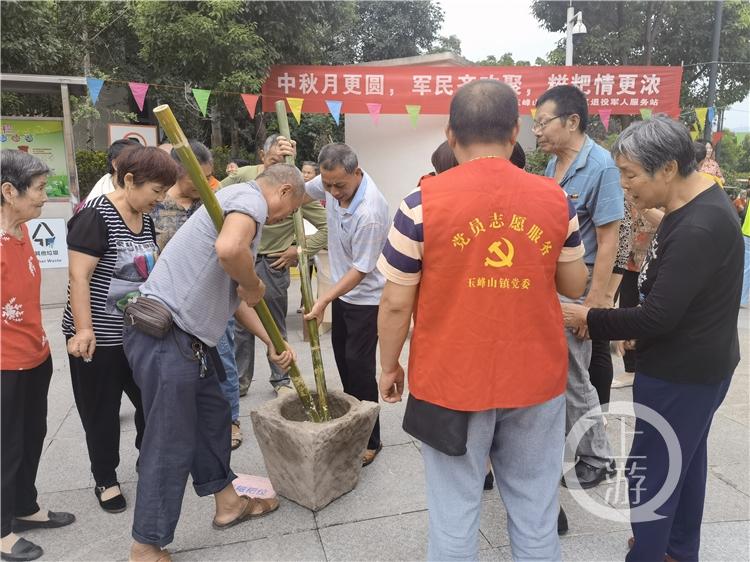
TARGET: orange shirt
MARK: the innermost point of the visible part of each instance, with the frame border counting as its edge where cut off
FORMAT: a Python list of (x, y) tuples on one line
[(489, 332), (213, 183), (24, 343)]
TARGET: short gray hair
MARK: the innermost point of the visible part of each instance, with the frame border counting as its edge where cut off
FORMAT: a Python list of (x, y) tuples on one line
[(338, 154), (271, 141), (280, 174), (19, 169), (654, 143)]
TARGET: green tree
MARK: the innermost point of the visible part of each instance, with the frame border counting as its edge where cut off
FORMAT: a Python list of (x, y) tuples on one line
[(505, 60), (661, 33), (450, 44)]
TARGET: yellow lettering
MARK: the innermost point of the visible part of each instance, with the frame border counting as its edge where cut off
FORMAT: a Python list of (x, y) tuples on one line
[(497, 221), (476, 227), (460, 241), (517, 222), (534, 233)]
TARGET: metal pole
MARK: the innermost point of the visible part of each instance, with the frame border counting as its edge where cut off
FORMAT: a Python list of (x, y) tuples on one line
[(569, 35), (714, 66), (70, 156)]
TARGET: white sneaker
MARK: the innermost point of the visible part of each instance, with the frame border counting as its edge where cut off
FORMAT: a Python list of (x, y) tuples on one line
[(623, 381)]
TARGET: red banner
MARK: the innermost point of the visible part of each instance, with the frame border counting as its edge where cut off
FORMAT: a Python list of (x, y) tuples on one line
[(621, 89)]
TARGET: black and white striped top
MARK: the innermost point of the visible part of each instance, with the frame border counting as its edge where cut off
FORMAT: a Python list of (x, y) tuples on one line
[(125, 260)]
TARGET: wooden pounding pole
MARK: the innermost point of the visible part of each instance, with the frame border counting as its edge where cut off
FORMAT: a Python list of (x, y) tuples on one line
[(181, 146), (304, 273)]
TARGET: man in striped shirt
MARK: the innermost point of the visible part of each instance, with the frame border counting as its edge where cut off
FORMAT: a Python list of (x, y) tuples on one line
[(479, 253)]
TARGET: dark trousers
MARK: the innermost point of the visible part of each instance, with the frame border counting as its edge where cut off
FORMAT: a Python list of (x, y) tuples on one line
[(600, 369), (276, 297), (628, 295), (24, 426), (98, 388), (354, 336), (689, 410), (187, 421)]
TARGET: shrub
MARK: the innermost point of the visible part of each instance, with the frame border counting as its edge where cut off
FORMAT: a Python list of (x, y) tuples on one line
[(91, 165)]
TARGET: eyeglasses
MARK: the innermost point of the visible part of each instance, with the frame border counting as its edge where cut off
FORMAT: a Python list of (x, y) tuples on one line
[(541, 125)]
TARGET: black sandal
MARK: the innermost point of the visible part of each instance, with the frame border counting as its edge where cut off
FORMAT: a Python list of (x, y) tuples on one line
[(54, 520), (116, 504), (22, 551)]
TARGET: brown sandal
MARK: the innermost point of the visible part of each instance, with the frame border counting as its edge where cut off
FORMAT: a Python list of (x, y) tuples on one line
[(254, 508)]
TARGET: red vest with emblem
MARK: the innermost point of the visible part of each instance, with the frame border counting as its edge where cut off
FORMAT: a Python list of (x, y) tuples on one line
[(488, 330)]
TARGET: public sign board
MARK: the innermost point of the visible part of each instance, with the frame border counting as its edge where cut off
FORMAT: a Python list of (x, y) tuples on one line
[(144, 134), (48, 237)]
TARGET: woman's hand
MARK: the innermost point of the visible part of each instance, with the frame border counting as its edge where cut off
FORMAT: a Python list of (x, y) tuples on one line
[(284, 359), (82, 344), (574, 316)]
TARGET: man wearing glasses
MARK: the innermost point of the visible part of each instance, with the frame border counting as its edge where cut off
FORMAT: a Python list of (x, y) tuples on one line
[(588, 175)]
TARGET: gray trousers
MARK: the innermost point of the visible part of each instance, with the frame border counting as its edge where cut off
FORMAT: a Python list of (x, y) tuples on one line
[(187, 431), (525, 447), (581, 397), (277, 286)]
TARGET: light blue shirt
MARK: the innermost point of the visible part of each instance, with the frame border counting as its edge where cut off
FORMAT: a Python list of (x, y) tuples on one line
[(356, 236), (592, 183)]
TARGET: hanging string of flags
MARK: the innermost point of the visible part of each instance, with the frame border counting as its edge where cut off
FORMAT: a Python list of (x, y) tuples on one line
[(336, 107)]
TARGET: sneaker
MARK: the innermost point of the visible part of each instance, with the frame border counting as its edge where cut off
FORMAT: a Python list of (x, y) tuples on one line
[(562, 522), (236, 434)]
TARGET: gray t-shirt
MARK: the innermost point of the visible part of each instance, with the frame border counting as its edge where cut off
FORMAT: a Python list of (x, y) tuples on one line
[(188, 277)]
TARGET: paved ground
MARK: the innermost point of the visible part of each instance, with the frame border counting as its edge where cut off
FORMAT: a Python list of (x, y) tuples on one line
[(385, 517)]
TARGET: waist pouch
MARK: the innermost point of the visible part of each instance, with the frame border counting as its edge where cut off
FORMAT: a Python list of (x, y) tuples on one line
[(149, 316), (441, 428)]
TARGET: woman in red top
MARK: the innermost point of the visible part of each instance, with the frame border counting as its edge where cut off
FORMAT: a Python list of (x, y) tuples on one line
[(25, 357)]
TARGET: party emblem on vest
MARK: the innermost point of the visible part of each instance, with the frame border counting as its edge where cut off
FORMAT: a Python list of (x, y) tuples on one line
[(500, 257)]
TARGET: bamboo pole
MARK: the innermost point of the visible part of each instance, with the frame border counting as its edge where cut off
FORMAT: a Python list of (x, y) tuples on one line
[(178, 139), (304, 273)]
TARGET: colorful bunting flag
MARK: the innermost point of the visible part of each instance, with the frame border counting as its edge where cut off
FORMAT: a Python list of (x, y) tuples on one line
[(95, 86), (138, 89), (533, 112), (701, 113), (295, 104), (646, 113), (716, 137), (694, 135), (374, 109), (251, 102), (334, 106), (711, 113), (201, 96), (413, 111), (604, 115)]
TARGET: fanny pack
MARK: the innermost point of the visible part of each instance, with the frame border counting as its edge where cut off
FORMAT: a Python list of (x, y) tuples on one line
[(441, 428), (149, 316)]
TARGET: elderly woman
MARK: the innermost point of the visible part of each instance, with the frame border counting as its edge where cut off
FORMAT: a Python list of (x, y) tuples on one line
[(111, 248), (25, 356), (685, 330)]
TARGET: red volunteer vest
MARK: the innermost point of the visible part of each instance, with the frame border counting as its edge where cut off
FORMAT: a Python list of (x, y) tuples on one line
[(488, 330)]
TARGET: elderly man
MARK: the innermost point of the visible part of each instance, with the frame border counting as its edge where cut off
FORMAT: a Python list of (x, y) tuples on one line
[(201, 280), (591, 180), (479, 253), (358, 226), (276, 255)]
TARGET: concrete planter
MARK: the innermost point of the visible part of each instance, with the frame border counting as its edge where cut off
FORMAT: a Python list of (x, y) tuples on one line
[(314, 463)]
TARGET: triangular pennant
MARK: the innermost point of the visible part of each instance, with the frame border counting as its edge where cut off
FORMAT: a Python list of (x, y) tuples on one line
[(716, 137), (201, 96), (413, 111), (138, 89), (694, 135), (251, 103), (604, 115), (334, 107), (95, 86), (711, 113), (646, 113), (701, 113), (533, 112), (295, 104), (374, 109)]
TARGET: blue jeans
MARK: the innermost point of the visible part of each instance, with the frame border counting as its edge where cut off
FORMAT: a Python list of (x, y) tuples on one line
[(525, 446), (231, 385), (187, 421), (745, 299), (689, 410)]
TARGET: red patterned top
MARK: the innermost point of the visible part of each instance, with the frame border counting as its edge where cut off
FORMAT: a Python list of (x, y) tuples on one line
[(24, 343)]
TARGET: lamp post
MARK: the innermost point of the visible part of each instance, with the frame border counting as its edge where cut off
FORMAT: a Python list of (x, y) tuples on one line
[(572, 29)]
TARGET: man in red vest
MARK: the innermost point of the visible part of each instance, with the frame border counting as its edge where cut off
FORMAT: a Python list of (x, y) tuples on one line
[(479, 253)]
